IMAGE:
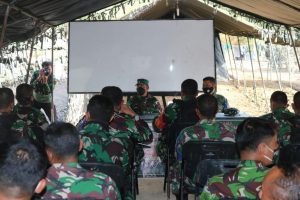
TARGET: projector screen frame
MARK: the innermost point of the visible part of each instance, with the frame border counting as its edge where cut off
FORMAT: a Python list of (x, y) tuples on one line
[(159, 93)]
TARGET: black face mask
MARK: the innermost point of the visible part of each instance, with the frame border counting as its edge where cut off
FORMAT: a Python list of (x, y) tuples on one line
[(208, 90), (140, 90)]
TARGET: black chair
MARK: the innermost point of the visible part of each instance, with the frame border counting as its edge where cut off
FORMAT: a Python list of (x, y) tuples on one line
[(195, 151), (209, 168), (114, 171)]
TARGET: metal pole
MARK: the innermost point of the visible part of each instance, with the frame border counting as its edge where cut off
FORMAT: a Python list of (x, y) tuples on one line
[(4, 26), (237, 76), (229, 58), (223, 56), (294, 47), (261, 74), (241, 64), (253, 78), (288, 65), (275, 63), (29, 62)]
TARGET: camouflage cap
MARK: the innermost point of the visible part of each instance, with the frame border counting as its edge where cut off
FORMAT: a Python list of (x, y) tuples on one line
[(142, 81)]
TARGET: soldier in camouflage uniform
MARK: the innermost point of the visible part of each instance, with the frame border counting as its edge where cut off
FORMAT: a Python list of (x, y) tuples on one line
[(209, 86), (280, 116), (206, 129), (31, 122), (162, 123), (42, 82), (126, 121), (22, 170), (7, 117), (99, 144), (143, 103), (66, 179), (256, 141)]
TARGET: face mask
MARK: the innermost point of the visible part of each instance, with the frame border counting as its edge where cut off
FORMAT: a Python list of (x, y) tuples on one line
[(208, 90), (275, 153), (140, 90)]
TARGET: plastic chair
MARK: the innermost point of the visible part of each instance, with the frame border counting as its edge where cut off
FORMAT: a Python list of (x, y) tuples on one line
[(196, 151)]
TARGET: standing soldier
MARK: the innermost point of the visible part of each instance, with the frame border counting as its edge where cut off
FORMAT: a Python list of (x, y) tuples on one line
[(144, 103)]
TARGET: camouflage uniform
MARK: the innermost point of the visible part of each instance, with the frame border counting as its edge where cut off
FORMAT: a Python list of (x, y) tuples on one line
[(243, 182), (203, 130), (101, 146), (42, 92), (281, 116), (144, 105), (222, 102), (138, 131), (31, 122), (71, 181)]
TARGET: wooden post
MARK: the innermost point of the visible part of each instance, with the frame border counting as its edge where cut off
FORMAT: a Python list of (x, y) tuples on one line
[(294, 47), (241, 64), (275, 63), (253, 77), (261, 74), (52, 60), (223, 56), (229, 59), (4, 26), (29, 62), (237, 76)]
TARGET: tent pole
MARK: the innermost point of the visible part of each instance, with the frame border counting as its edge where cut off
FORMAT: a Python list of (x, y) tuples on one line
[(229, 59), (261, 74), (223, 56), (275, 63), (288, 66), (294, 46), (241, 64), (4, 26), (237, 76), (253, 78), (29, 62), (52, 60)]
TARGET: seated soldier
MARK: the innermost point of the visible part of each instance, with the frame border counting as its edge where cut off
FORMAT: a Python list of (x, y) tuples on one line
[(66, 179), (22, 170), (209, 86), (7, 117), (283, 180), (280, 115), (295, 120), (32, 122), (256, 141), (206, 129), (143, 103), (126, 122), (99, 144), (296, 103), (180, 110)]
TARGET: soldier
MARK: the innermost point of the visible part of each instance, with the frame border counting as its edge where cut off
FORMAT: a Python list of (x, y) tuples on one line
[(189, 91), (280, 115), (7, 117), (66, 179), (32, 122), (42, 82), (22, 170), (256, 141), (143, 103), (296, 103), (206, 129), (99, 144), (209, 86), (126, 121)]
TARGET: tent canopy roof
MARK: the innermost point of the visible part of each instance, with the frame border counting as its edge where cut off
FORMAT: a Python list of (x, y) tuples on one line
[(30, 17)]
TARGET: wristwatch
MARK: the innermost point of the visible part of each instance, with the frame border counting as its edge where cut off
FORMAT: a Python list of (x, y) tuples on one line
[(136, 117)]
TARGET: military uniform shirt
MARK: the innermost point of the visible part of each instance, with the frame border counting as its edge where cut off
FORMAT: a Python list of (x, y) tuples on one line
[(144, 105), (42, 92), (100, 146), (243, 182), (222, 102), (71, 181), (280, 117)]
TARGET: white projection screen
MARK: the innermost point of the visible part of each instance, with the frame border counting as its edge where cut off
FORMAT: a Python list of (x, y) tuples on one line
[(165, 52)]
